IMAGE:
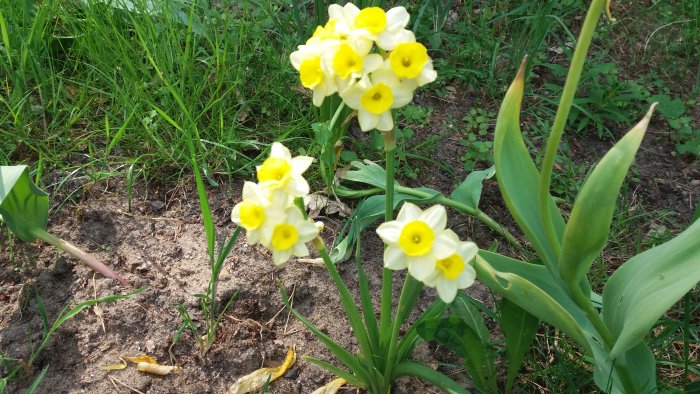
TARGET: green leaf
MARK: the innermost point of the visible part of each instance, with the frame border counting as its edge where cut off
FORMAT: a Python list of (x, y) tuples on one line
[(638, 361), (469, 191), (444, 382), (462, 308), (586, 233), (647, 285), (532, 288), (518, 177), (367, 172), (519, 328), (23, 206), (455, 334)]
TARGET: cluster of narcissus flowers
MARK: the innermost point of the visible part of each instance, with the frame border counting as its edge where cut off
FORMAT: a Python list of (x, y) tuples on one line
[(268, 213), (339, 58), (418, 240)]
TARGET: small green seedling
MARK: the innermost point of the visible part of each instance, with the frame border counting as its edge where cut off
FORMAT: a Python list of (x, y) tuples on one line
[(25, 209)]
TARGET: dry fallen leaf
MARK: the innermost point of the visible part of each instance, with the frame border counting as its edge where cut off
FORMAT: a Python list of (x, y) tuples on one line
[(113, 367), (331, 388), (142, 358), (157, 369), (256, 380)]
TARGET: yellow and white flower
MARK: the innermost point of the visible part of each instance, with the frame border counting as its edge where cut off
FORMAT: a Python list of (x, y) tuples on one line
[(410, 61), (255, 214), (308, 60), (395, 31), (417, 240), (282, 172), (289, 237), (455, 271), (348, 65), (374, 96)]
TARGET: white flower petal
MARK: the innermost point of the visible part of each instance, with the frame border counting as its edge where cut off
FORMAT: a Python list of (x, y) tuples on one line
[(279, 150), (368, 120), (372, 63), (252, 237), (236, 213), (426, 75), (389, 40), (397, 18), (301, 164), (409, 212), (421, 267), (386, 122), (307, 231), (281, 256), (297, 186), (389, 232), (403, 94), (300, 249), (467, 277), (435, 217), (318, 97), (443, 246), (447, 290), (467, 250), (394, 258), (352, 95)]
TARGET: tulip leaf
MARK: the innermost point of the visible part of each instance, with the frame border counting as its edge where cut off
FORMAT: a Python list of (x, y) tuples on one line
[(23, 206), (638, 361), (518, 177), (531, 287), (586, 233), (647, 285), (519, 328), (469, 191)]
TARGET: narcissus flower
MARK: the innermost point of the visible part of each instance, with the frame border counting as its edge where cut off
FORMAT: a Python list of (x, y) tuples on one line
[(417, 240), (410, 60), (373, 97), (289, 237), (454, 272), (282, 172), (308, 60), (255, 214)]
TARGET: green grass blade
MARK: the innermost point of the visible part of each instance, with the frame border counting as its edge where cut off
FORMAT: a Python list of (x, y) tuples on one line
[(412, 368)]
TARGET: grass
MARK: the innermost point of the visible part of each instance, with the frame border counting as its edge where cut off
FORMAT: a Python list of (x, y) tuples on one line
[(90, 91)]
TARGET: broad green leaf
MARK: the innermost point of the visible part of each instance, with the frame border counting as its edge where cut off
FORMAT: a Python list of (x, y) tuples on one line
[(455, 334), (23, 206), (532, 288), (638, 361), (462, 308), (368, 172), (518, 177), (469, 191), (586, 233), (519, 328), (647, 285)]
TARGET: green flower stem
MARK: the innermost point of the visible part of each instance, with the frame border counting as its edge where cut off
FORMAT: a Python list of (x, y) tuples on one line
[(387, 274), (567, 97), (409, 296), (608, 339), (79, 254), (336, 115), (346, 299)]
